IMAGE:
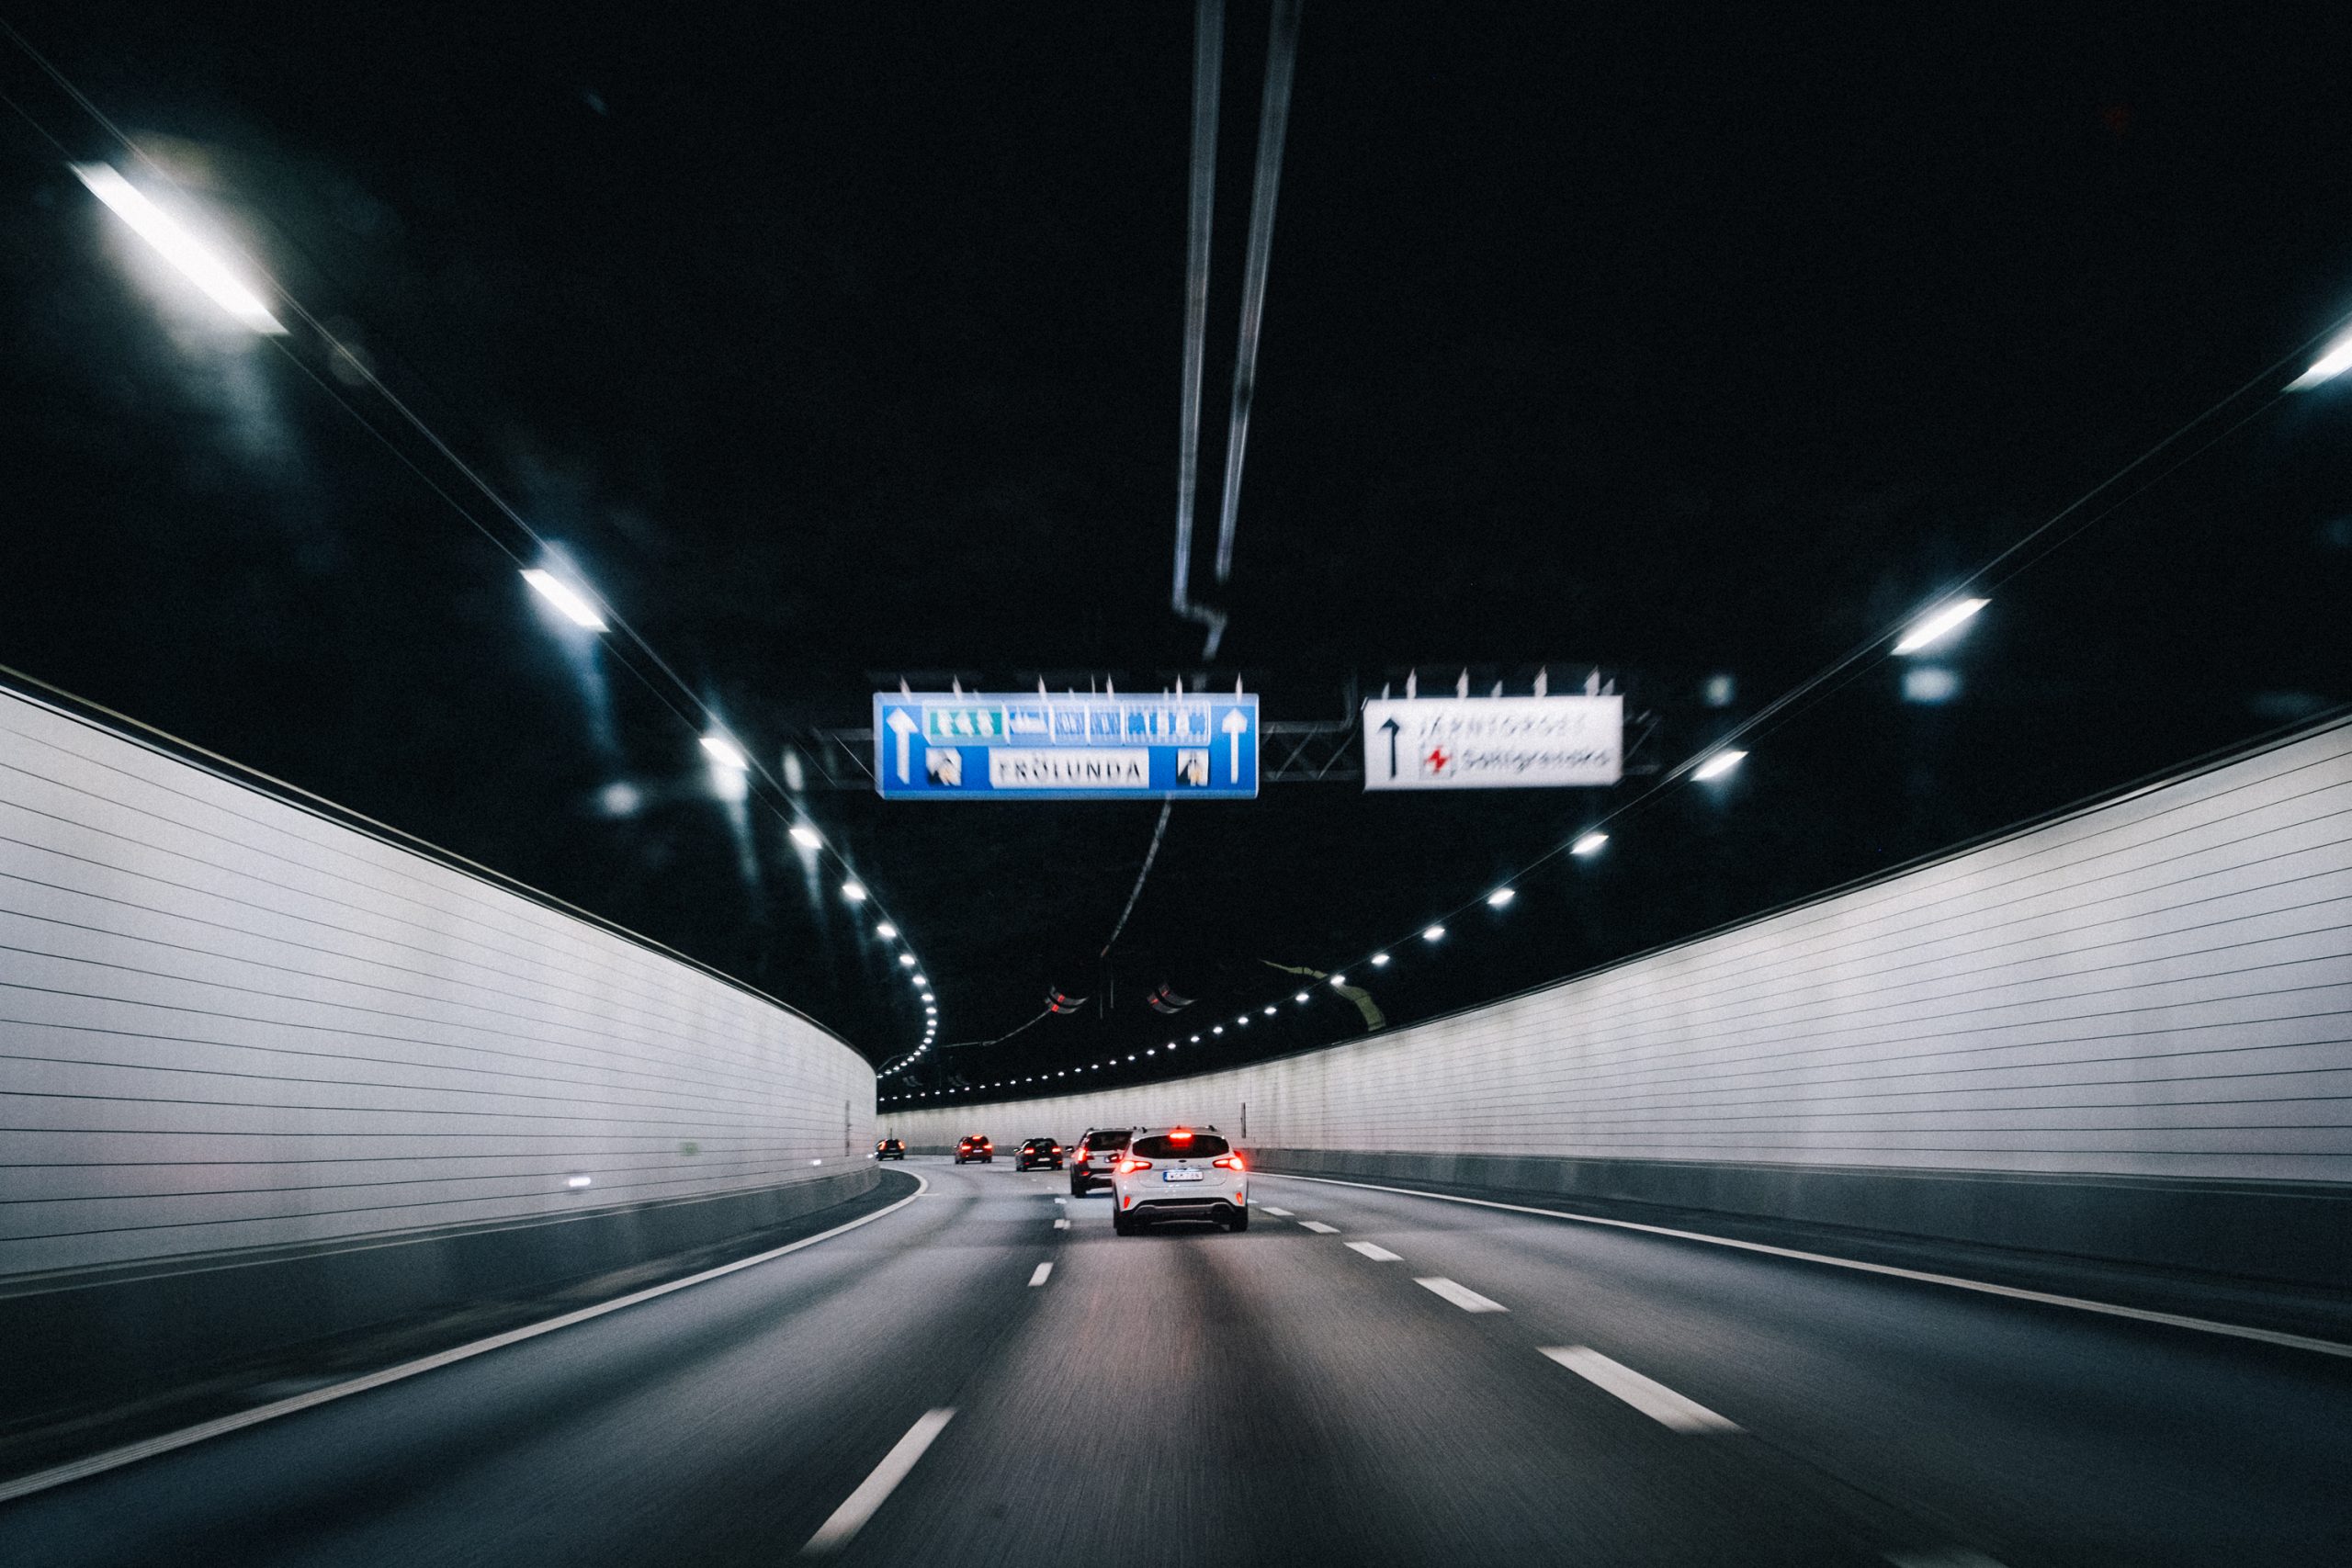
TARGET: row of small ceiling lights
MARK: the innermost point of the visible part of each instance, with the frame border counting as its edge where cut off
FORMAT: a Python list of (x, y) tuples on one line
[(245, 303), (1927, 630), (730, 778)]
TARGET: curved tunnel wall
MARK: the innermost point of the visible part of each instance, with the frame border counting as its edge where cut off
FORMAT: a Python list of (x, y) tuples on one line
[(233, 1027), (2126, 1034)]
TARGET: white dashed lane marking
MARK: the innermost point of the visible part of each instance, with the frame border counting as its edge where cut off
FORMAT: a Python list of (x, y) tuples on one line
[(1278, 1214), (834, 1534), (1377, 1254), (1653, 1399), (1061, 1225), (1462, 1296), (1318, 1227), (1044, 1270)]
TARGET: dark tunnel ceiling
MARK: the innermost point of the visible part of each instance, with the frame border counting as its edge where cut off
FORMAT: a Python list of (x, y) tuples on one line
[(842, 346)]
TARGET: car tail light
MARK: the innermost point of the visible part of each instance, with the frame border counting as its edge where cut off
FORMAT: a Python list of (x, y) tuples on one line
[(1230, 1162), (1132, 1164)]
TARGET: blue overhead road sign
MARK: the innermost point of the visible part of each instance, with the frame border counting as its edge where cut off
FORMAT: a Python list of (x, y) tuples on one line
[(977, 746)]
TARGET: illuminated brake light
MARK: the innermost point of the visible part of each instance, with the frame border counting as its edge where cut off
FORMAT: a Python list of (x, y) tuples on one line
[(1230, 1162), (1131, 1163), (1180, 1136)]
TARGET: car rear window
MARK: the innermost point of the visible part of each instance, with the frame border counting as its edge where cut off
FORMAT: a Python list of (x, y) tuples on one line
[(1108, 1140), (1200, 1145)]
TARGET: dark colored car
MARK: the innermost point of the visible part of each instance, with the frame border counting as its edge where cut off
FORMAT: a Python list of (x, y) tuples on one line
[(1090, 1162), (1038, 1151), (890, 1148), (976, 1147)]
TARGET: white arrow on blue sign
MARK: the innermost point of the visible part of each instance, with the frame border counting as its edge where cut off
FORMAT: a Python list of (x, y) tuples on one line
[(982, 746)]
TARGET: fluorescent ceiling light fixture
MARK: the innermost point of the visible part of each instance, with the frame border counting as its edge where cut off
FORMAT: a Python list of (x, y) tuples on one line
[(1589, 844), (907, 960), (1339, 980), (1500, 896), (1243, 1020), (808, 838), (1300, 997), (1718, 765), (575, 1182), (1379, 959), (854, 891), (921, 981), (886, 930), (2326, 368), (1270, 1012), (577, 607), (179, 247), (1434, 933), (726, 753), (1939, 624), (1196, 1040), (1217, 1029)]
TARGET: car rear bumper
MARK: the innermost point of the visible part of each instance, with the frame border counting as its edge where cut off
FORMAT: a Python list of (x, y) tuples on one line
[(1204, 1208)]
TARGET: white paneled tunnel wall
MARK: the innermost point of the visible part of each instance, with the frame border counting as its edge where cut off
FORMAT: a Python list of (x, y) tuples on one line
[(227, 1022), (2157, 987)]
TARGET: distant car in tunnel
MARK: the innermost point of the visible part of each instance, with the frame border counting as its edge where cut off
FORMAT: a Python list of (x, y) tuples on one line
[(1179, 1174), (976, 1147), (890, 1148), (1038, 1151), (1089, 1163)]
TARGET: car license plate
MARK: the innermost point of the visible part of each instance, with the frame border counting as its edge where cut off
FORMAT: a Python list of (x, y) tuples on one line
[(1180, 1176)]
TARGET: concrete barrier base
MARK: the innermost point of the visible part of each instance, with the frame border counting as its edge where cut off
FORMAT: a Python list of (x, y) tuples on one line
[(2297, 1235), (101, 1339)]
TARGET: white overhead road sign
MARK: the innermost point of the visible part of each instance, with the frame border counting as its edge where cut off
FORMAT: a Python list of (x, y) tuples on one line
[(1493, 742)]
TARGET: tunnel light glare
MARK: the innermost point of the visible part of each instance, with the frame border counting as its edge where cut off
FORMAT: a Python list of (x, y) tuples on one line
[(1718, 765), (1380, 960), (886, 930), (1588, 845), (1434, 933), (1500, 896), (577, 607), (808, 838), (576, 1181), (1939, 624), (726, 753), (179, 247), (2326, 368), (854, 892)]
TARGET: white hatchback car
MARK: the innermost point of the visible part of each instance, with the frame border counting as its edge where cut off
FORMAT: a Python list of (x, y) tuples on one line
[(1175, 1173)]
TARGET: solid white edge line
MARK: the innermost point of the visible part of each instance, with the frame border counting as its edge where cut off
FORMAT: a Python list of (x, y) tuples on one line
[(1040, 1274), (130, 1453), (1377, 1254), (1461, 1296), (1318, 1227), (1649, 1396), (2079, 1304), (859, 1504)]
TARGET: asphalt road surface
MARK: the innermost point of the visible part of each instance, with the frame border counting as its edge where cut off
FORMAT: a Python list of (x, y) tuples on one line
[(1368, 1378)]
